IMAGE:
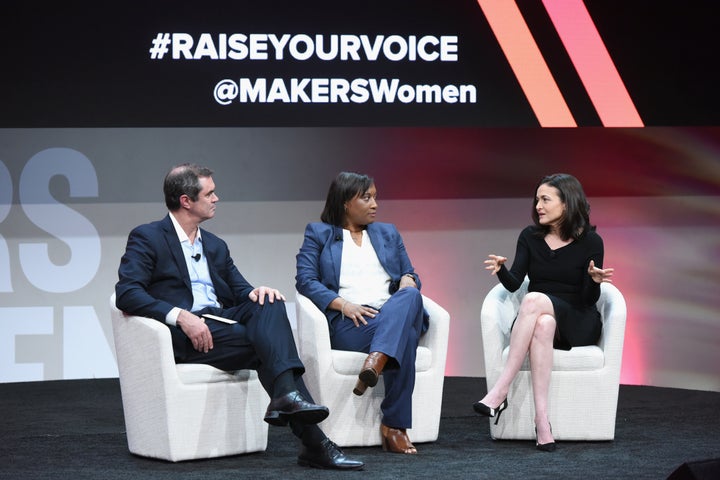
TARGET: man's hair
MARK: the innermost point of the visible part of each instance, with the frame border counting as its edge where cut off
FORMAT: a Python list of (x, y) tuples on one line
[(345, 187), (182, 180)]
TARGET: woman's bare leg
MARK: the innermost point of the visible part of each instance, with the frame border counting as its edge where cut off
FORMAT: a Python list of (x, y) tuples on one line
[(541, 357), (533, 307)]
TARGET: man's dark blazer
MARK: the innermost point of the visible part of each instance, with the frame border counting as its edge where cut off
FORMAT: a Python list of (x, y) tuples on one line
[(319, 258), (153, 275)]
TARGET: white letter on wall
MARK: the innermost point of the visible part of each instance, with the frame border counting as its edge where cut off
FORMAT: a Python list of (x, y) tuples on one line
[(6, 193), (16, 321), (86, 351), (57, 219)]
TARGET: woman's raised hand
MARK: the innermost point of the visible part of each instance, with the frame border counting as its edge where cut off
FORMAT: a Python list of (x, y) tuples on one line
[(494, 263), (600, 275)]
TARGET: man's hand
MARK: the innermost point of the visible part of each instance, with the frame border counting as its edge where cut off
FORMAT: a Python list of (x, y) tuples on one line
[(196, 330), (259, 293)]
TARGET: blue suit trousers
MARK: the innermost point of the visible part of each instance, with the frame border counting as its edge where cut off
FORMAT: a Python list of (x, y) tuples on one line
[(395, 331)]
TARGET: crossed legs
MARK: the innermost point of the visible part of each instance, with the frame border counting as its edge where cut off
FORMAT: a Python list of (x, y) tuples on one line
[(532, 334)]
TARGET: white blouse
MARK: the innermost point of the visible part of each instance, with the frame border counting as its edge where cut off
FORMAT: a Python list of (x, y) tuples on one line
[(363, 280)]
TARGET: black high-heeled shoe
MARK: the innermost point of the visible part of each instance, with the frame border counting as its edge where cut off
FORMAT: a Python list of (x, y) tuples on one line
[(483, 409), (544, 447)]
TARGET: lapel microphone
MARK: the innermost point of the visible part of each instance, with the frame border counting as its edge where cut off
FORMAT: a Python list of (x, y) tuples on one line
[(196, 257)]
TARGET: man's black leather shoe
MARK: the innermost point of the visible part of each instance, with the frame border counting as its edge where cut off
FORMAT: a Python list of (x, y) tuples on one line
[(327, 455), (294, 407)]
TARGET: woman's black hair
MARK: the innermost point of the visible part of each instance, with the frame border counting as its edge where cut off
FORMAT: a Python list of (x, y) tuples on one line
[(576, 219), (345, 187)]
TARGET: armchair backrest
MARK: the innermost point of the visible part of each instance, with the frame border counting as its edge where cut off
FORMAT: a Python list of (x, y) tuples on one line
[(500, 308)]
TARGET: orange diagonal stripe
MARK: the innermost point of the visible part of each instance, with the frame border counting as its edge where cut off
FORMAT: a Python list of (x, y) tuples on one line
[(527, 63), (593, 63)]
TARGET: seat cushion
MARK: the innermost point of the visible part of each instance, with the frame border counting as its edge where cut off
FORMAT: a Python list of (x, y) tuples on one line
[(190, 373), (576, 359), (350, 363)]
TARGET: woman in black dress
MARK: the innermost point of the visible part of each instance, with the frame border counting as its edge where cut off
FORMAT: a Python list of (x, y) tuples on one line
[(562, 255)]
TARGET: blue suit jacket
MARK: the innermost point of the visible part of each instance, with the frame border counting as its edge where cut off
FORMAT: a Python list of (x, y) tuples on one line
[(319, 258), (153, 275)]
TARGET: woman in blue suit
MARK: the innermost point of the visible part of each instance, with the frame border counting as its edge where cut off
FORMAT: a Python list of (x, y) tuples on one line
[(358, 273)]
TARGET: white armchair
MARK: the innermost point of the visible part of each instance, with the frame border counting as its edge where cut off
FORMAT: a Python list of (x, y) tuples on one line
[(182, 412), (331, 374), (585, 380)]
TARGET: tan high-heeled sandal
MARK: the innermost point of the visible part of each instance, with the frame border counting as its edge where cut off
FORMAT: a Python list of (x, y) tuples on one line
[(395, 440)]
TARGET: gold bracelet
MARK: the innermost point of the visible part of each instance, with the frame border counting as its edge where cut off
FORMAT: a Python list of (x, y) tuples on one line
[(342, 309)]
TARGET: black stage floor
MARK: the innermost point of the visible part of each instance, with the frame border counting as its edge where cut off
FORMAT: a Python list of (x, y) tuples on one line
[(74, 429)]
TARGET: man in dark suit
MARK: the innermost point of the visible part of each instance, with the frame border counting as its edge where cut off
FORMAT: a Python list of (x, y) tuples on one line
[(176, 272)]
